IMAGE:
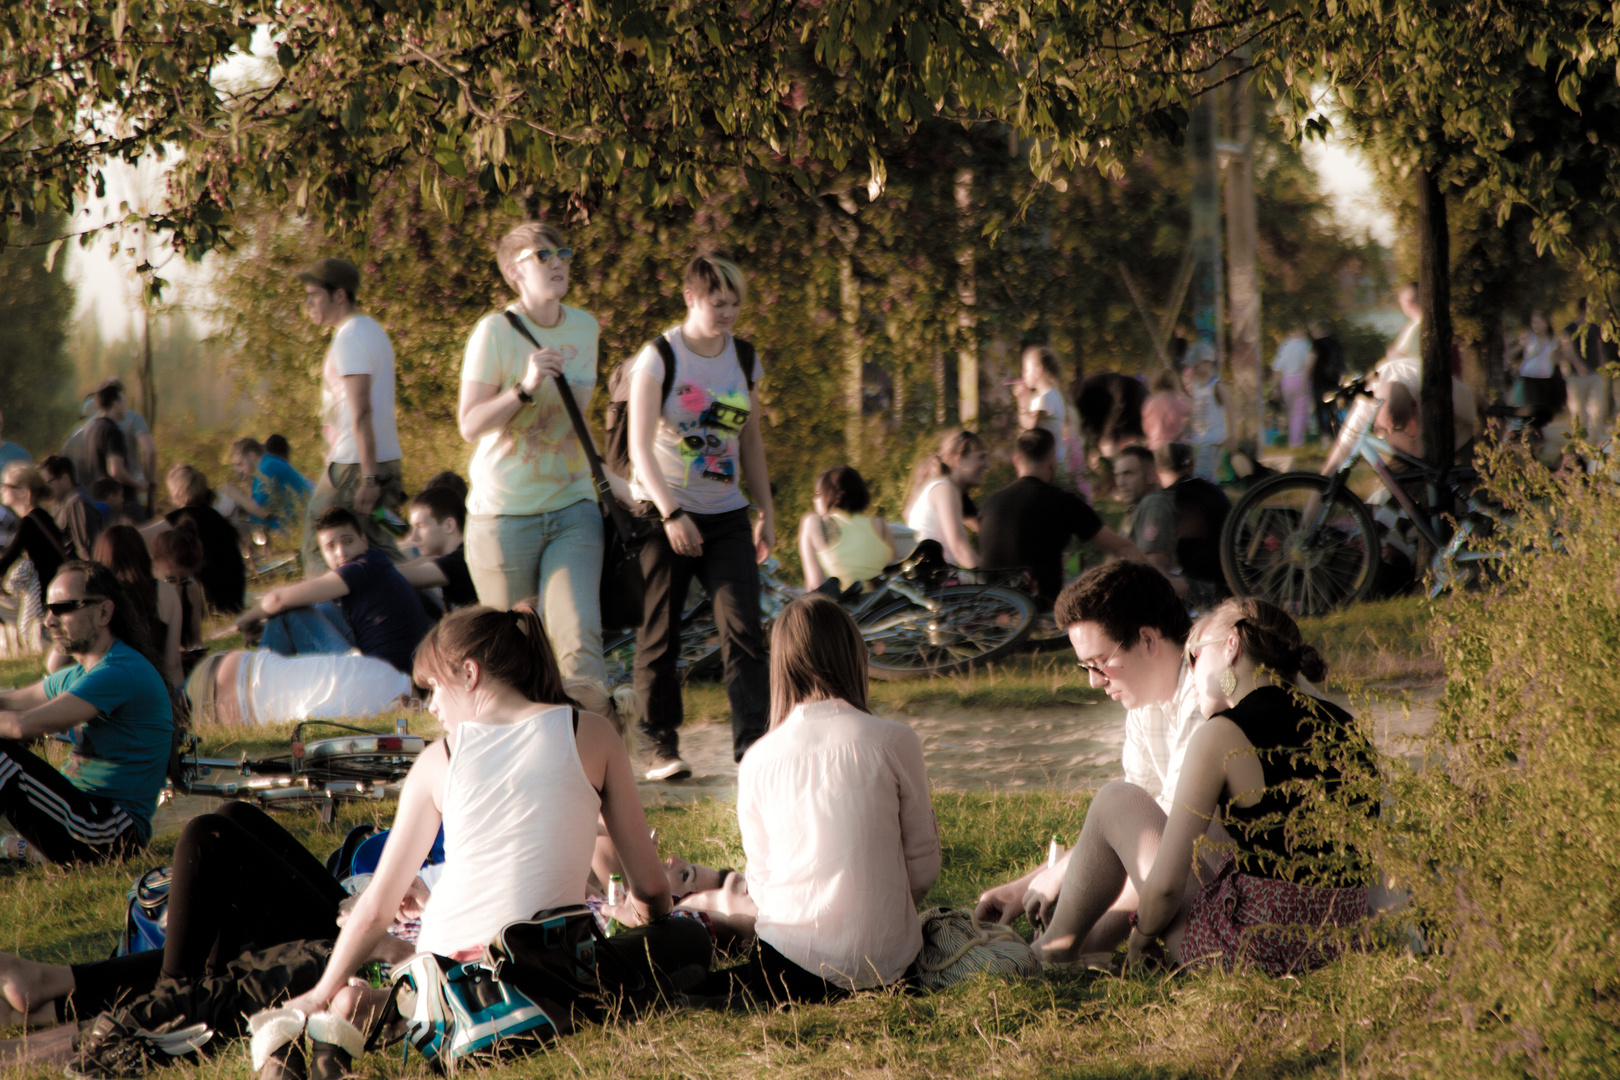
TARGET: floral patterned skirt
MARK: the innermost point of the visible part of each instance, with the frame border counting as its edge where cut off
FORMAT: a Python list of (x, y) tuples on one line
[(1276, 926)]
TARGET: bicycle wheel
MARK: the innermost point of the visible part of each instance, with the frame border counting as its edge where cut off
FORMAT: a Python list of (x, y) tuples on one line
[(971, 624), (1268, 551)]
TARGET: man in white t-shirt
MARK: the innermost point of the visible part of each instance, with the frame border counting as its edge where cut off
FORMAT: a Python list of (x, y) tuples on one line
[(357, 412), (1129, 632)]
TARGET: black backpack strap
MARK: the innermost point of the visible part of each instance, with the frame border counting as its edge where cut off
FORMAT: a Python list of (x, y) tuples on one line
[(745, 359), (621, 518), (667, 351)]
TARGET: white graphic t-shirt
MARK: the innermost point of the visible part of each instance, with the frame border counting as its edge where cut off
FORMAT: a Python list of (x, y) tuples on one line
[(696, 440)]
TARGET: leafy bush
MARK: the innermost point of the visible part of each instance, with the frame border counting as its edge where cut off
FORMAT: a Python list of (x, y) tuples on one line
[(1507, 836)]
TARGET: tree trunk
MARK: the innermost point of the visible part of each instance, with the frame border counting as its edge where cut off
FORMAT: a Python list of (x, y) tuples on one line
[(849, 314), (1434, 296), (967, 321)]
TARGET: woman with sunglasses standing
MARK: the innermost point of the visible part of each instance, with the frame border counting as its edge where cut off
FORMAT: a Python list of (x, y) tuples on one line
[(694, 433), (533, 526)]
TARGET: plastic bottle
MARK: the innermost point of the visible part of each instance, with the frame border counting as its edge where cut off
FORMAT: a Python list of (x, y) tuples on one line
[(1054, 851), (615, 897)]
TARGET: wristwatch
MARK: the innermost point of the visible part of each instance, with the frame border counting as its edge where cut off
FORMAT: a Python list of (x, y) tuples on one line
[(523, 395), (679, 511)]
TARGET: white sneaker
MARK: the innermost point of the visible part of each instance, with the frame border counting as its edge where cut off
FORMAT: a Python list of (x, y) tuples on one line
[(664, 768)]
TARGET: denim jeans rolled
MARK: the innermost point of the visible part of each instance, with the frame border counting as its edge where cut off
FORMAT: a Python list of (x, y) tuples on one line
[(558, 558), (729, 572), (308, 631)]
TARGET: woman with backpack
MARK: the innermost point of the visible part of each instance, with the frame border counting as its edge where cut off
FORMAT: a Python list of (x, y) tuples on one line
[(533, 524), (694, 434)]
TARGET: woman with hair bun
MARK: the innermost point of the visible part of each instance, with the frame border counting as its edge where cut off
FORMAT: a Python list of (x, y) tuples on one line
[(1274, 900)]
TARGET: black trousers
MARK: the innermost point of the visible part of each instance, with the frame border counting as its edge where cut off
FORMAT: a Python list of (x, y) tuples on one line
[(768, 976), (730, 573), (240, 882), (66, 825)]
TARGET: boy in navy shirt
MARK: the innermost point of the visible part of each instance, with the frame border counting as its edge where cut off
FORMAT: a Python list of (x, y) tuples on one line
[(361, 602)]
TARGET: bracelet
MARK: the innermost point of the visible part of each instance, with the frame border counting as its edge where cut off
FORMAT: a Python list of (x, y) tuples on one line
[(679, 511), (522, 394), (368, 478)]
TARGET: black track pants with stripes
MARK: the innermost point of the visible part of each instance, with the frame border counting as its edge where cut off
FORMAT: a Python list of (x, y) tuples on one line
[(65, 824)]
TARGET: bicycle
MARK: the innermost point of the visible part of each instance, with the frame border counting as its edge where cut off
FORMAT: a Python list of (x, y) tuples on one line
[(917, 618), (1309, 544), (361, 764)]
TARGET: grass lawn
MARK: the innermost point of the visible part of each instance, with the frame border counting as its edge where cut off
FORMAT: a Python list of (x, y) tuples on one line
[(1069, 1025), (1363, 1014)]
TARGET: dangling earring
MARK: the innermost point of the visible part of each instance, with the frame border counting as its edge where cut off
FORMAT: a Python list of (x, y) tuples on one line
[(1228, 682)]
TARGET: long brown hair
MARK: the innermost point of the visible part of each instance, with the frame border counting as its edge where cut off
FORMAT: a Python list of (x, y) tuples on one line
[(122, 550), (816, 655), (510, 646), (952, 446)]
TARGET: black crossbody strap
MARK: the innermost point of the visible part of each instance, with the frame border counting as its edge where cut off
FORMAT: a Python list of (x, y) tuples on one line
[(604, 490)]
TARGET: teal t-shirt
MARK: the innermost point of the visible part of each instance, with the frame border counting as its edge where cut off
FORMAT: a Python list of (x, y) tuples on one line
[(123, 754)]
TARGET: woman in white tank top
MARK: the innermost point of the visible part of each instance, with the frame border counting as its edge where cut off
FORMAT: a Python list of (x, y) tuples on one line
[(518, 789), (938, 486)]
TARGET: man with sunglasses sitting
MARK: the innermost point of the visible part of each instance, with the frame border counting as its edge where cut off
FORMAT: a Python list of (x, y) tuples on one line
[(112, 699), (357, 411), (1129, 631)]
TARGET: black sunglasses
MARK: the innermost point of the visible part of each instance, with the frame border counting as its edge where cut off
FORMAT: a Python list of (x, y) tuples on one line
[(68, 607)]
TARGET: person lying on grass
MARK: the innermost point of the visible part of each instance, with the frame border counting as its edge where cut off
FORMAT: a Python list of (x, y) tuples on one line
[(1276, 900), (254, 687), (1128, 629), (239, 880)]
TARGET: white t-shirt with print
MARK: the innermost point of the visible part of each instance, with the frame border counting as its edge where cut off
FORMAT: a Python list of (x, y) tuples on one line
[(359, 347), (696, 442)]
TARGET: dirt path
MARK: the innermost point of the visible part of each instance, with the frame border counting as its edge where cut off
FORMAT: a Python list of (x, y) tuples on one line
[(1016, 750)]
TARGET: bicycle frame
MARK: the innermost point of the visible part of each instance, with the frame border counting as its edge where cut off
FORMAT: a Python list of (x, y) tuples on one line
[(1375, 452)]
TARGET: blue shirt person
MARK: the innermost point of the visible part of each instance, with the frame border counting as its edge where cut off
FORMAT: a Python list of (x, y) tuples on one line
[(118, 709), (277, 491)]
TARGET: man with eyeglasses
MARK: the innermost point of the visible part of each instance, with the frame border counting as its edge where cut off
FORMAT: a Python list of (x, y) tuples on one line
[(1129, 631), (100, 805), (357, 411)]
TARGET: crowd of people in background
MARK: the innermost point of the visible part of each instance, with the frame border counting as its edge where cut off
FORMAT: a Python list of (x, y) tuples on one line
[(484, 594)]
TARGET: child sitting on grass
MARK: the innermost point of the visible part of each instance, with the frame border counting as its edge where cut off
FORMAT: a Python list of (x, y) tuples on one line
[(363, 602)]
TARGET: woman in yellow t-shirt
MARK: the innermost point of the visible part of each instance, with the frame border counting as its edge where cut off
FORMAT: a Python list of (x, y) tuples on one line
[(838, 540), (533, 527)]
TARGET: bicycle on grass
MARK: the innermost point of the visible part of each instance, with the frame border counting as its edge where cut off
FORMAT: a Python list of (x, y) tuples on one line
[(1309, 544), (358, 764), (919, 617)]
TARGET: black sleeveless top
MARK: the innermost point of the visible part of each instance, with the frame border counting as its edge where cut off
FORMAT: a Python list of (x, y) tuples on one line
[(1298, 739)]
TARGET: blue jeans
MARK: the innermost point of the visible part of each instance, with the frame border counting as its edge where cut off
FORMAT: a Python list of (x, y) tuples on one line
[(308, 631), (556, 557)]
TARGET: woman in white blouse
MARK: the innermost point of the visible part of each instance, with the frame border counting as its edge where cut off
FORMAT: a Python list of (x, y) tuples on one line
[(836, 823)]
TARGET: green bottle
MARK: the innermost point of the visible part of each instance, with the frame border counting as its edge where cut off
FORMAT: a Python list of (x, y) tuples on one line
[(615, 897)]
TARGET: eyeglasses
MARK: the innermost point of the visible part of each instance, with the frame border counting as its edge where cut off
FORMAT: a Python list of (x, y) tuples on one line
[(68, 607), (543, 255), (1092, 668), (1191, 651)]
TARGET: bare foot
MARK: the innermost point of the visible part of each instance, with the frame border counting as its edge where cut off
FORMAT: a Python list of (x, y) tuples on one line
[(28, 991)]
